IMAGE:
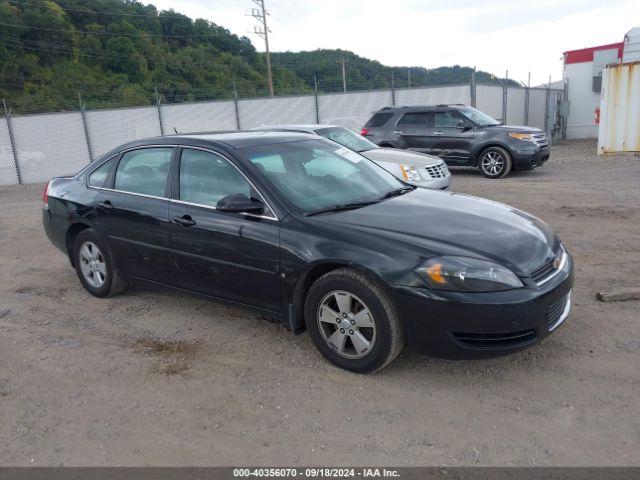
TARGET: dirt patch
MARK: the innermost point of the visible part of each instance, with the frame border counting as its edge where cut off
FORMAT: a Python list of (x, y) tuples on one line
[(173, 356)]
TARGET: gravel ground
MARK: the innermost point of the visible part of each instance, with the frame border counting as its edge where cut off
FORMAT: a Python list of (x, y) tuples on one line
[(156, 377)]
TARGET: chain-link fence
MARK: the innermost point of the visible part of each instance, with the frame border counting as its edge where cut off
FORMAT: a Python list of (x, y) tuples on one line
[(34, 148)]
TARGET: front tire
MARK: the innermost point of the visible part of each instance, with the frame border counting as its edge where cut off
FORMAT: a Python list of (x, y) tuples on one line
[(495, 162), (95, 267), (353, 322)]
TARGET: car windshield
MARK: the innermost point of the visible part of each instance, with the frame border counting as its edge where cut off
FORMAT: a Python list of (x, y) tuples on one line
[(348, 138), (318, 175), (478, 117)]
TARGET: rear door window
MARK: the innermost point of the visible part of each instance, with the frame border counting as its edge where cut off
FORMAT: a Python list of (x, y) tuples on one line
[(144, 171), (421, 119)]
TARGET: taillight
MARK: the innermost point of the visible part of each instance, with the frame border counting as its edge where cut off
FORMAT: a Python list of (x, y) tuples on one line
[(45, 196), (364, 131)]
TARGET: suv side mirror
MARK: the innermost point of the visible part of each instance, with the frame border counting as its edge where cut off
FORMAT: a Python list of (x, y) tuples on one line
[(239, 203), (463, 125)]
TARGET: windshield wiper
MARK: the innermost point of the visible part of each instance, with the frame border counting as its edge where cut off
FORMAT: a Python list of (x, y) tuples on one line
[(396, 192), (339, 208)]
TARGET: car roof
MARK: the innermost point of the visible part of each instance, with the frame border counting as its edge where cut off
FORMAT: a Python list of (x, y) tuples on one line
[(233, 140), (294, 127), (411, 108)]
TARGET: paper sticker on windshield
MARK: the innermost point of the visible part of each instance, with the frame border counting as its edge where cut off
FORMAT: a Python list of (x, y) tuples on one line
[(349, 155)]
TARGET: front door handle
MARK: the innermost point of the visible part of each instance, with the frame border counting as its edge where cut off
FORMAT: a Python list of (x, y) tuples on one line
[(438, 133), (397, 132), (185, 221), (106, 205)]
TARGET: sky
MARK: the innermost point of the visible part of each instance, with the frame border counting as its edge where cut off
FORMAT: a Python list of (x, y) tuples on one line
[(493, 35)]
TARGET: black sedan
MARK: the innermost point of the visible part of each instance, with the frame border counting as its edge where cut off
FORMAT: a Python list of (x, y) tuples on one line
[(308, 232)]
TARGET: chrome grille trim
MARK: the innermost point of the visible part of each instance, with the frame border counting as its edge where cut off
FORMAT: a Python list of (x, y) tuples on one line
[(540, 139), (437, 171), (554, 271)]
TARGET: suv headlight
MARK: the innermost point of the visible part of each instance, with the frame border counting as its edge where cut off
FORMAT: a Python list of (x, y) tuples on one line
[(410, 173), (525, 137), (464, 274)]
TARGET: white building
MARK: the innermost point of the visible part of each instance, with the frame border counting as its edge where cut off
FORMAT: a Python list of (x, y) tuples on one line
[(582, 75)]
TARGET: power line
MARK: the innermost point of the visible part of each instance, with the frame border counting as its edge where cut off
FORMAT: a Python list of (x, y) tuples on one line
[(262, 30), (84, 32)]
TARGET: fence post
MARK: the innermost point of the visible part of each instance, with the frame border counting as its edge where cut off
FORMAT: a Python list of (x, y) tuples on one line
[(85, 127), (393, 91), (472, 88), (315, 94), (505, 98), (526, 100), (155, 88), (12, 141), (547, 107), (235, 106)]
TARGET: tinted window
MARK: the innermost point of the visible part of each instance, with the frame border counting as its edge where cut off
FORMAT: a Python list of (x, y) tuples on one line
[(205, 178), (100, 174), (379, 119), (144, 171), (417, 118), (445, 120)]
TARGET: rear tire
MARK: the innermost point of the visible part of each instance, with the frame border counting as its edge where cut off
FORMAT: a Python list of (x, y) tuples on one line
[(353, 322), (495, 162), (95, 267)]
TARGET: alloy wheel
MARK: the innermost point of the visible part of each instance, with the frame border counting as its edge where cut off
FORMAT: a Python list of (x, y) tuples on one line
[(346, 324), (492, 163), (92, 264)]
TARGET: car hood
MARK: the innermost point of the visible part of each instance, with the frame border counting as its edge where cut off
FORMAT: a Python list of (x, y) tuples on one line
[(401, 157), (449, 223), (512, 128)]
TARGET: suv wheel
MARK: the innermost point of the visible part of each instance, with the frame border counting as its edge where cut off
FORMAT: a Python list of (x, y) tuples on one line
[(94, 266), (352, 321), (495, 162)]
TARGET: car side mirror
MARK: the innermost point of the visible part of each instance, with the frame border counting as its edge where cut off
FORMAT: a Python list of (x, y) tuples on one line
[(239, 203), (463, 125)]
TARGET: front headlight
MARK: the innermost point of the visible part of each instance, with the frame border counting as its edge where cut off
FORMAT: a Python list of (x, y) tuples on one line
[(463, 274), (525, 137), (410, 173)]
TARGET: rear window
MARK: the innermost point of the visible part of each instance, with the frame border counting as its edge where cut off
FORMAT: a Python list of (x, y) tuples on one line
[(379, 119)]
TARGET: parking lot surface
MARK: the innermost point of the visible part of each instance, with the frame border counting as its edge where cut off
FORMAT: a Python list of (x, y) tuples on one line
[(156, 377)]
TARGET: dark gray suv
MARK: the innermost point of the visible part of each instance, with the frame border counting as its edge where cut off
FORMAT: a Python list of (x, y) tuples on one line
[(460, 135)]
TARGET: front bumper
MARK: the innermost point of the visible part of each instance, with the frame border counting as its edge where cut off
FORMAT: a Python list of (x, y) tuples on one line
[(442, 183), (528, 159), (460, 325)]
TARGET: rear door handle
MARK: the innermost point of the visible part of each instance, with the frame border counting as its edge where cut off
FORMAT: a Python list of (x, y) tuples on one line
[(106, 205), (185, 221), (438, 133), (397, 132)]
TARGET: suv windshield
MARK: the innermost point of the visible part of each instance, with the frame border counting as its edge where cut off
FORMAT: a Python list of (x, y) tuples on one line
[(317, 175), (478, 117), (348, 138)]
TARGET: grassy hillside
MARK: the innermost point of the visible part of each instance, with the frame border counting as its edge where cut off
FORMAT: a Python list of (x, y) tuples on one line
[(362, 73), (116, 52)]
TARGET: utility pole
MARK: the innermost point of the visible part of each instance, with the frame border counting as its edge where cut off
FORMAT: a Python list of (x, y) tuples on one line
[(343, 62), (409, 77), (263, 31)]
